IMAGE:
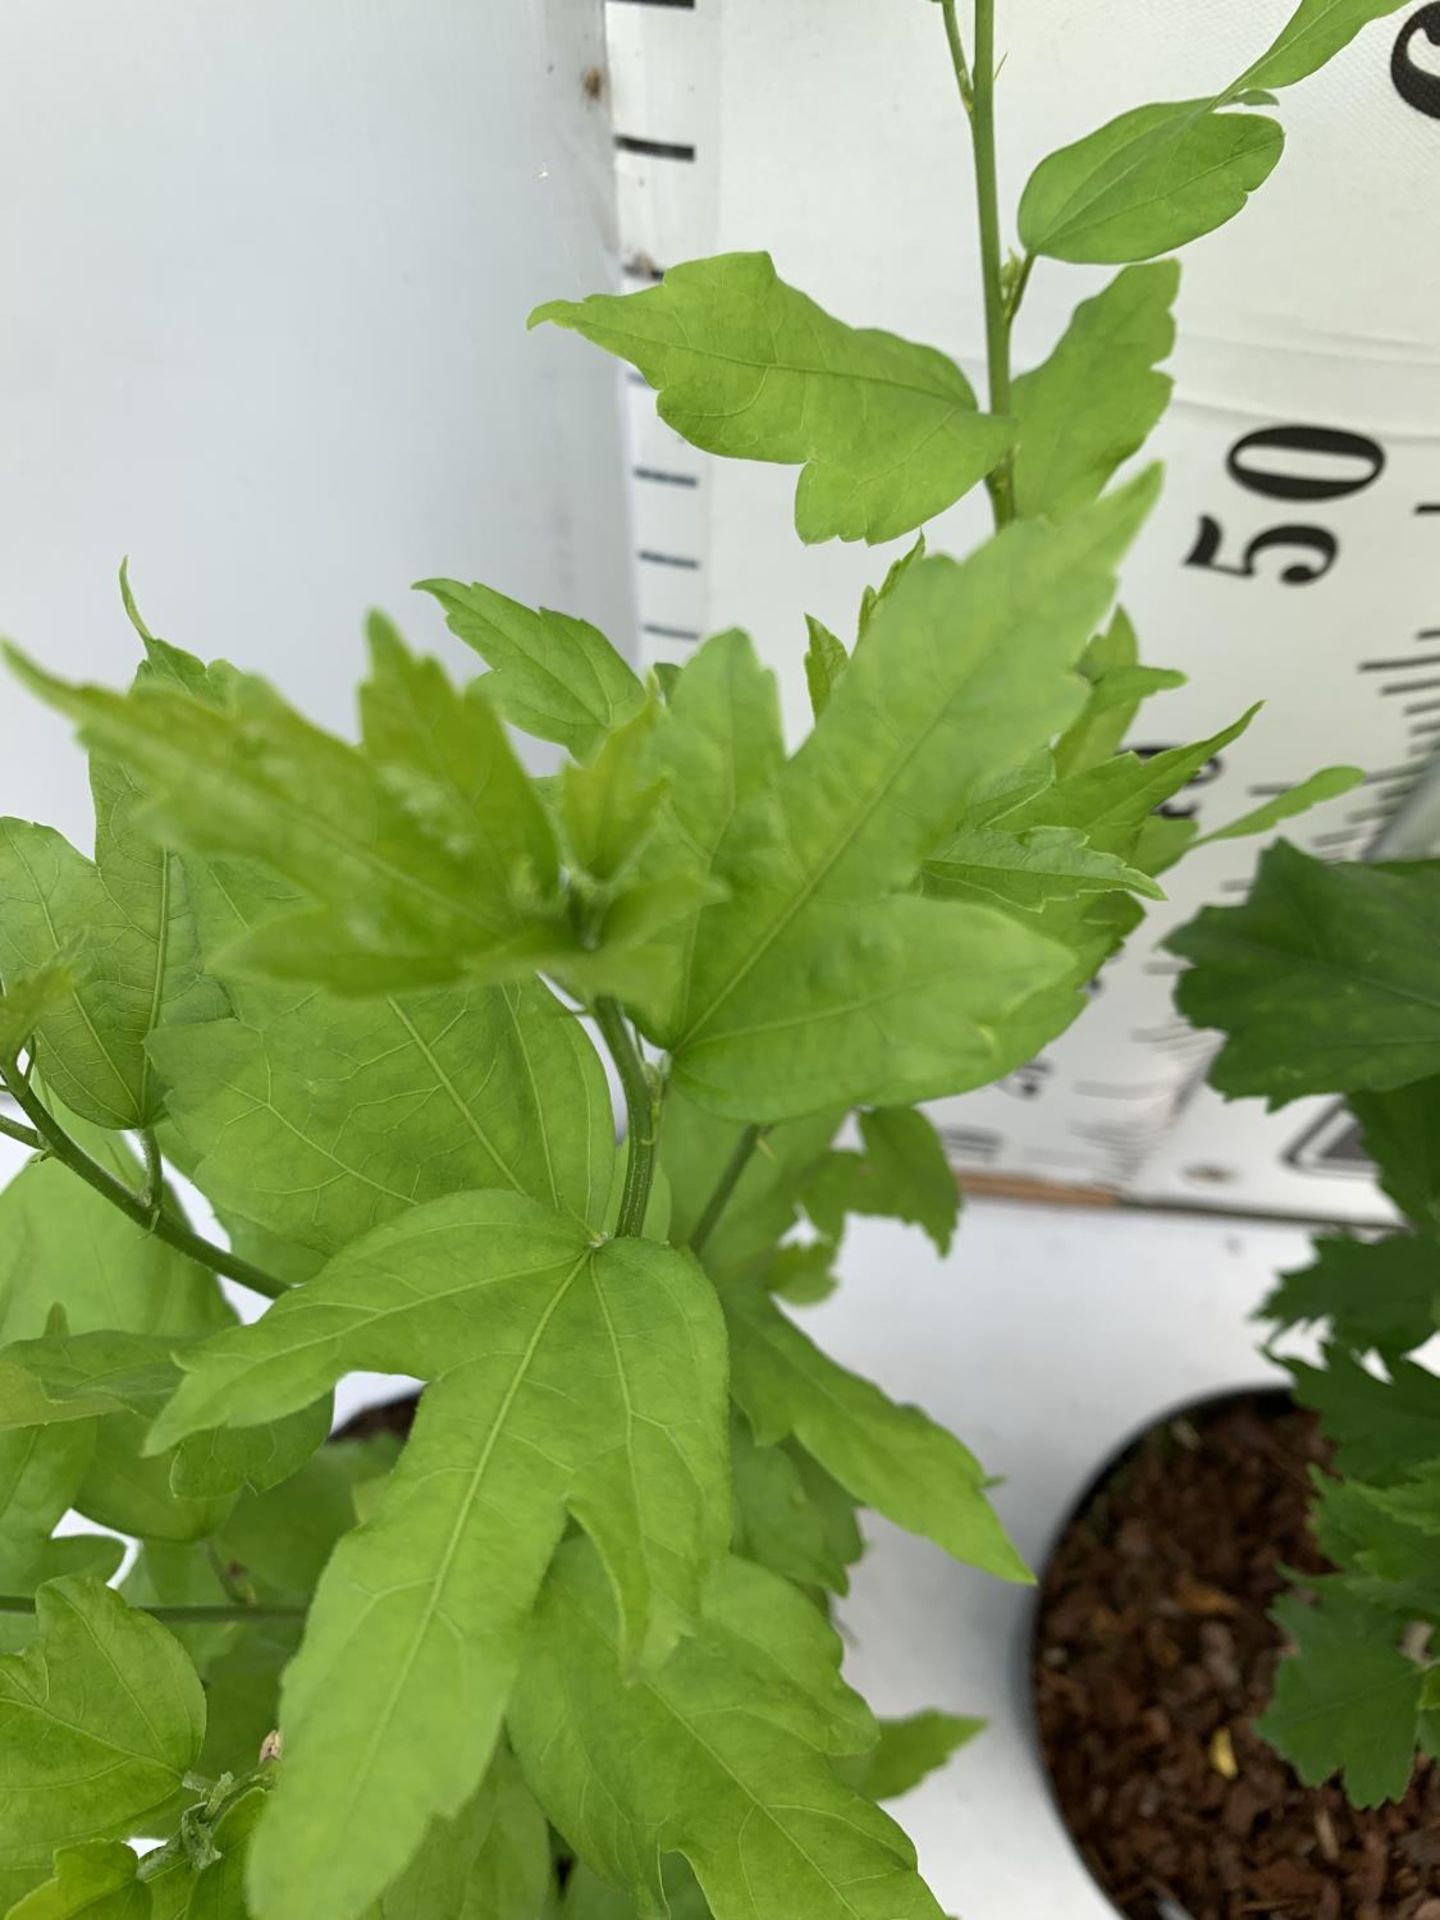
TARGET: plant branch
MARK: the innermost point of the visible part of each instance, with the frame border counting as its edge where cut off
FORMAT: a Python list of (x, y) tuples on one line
[(957, 55), (182, 1615), (54, 1140), (729, 1179), (153, 1193), (998, 311), (642, 1115), (27, 1136)]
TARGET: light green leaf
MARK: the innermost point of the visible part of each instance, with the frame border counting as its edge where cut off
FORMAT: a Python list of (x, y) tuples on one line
[(695, 1148), (1324, 980), (41, 1472), (1128, 686), (873, 598), (96, 1880), (1314, 34), (903, 1174), (608, 807), (505, 1301), (397, 901), (138, 965), (1111, 803), (1328, 784), (888, 432), (447, 757), (100, 1719), (825, 661), (1028, 870), (1147, 182), (1382, 1429), (588, 1897), (219, 1889), (1381, 1294), (1347, 1702), (552, 675), (819, 983), (1099, 731), (1093, 402), (908, 1750), (777, 1524), (803, 1273), (62, 1242), (490, 1863), (721, 1755), (30, 998), (893, 1458), (320, 1119)]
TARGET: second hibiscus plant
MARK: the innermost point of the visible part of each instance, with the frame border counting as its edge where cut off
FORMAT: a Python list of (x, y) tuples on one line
[(569, 1650)]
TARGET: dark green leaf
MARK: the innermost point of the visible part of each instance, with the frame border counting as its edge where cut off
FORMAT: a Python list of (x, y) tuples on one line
[(1347, 1702), (1326, 979), (96, 1880), (1401, 1128), (1382, 1429), (1377, 1293), (825, 661), (777, 1523)]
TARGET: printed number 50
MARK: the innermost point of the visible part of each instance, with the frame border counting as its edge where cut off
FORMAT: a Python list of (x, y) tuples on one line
[(1360, 463)]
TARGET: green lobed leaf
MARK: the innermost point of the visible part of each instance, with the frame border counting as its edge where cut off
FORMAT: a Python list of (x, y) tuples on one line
[(556, 677), (1102, 726), (1028, 870), (1324, 980), (1383, 1429), (505, 1302), (893, 1458), (1401, 1128), (887, 433), (41, 1473), (721, 1755), (1348, 1702), (62, 1242), (903, 1174), (30, 998), (764, 1205), (778, 1524), (491, 1863), (819, 983), (588, 1897), (410, 884), (96, 1880), (909, 1750), (319, 1120), (1093, 402), (1326, 784), (100, 1719), (608, 808), (118, 930), (1380, 1294), (825, 661)]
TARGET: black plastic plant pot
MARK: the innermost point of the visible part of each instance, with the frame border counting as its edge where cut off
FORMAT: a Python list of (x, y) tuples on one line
[(1152, 1656)]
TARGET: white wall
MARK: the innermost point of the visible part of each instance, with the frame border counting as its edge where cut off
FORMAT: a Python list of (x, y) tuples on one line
[(264, 273)]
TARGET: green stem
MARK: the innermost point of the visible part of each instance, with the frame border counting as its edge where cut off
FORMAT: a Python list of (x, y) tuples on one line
[(24, 1603), (957, 56), (997, 314), (642, 1114), (58, 1144), (729, 1179), (153, 1193), (27, 1136)]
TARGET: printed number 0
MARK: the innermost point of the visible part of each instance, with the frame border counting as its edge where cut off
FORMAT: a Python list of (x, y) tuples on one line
[(1246, 465), (1416, 87)]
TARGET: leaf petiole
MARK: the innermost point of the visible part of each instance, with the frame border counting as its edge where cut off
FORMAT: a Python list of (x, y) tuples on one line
[(642, 1113), (729, 1179), (52, 1138)]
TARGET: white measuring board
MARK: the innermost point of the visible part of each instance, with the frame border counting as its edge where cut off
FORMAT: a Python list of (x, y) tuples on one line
[(1295, 556)]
